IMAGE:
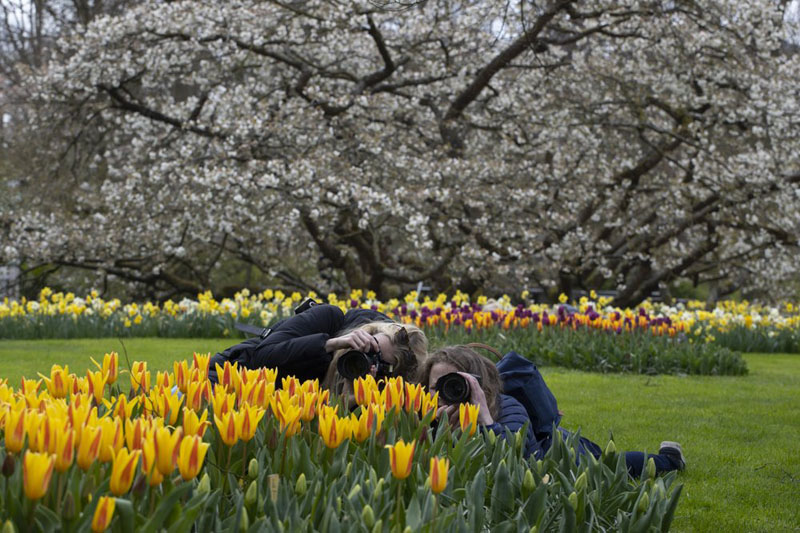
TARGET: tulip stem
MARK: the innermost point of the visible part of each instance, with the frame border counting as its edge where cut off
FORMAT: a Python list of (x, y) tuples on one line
[(244, 460), (399, 503), (433, 520), (61, 479), (227, 469)]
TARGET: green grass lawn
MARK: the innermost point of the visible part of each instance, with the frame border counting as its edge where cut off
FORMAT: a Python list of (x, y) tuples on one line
[(740, 434)]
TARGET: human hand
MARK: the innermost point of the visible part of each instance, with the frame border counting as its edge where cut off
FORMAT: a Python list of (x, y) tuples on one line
[(357, 340), (478, 397)]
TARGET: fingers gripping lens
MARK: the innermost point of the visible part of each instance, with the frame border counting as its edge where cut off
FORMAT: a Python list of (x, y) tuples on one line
[(454, 388)]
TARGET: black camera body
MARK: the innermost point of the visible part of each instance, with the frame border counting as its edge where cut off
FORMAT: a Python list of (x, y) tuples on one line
[(454, 388), (356, 364)]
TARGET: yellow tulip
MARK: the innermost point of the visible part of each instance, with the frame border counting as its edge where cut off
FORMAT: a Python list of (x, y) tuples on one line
[(65, 449), (121, 407), (229, 427), (123, 470), (291, 385), (89, 447), (97, 384), (154, 477), (289, 418), (247, 421), (438, 476), (334, 430), (223, 402), (190, 459), (140, 377), (308, 406), (362, 389), (228, 376), (166, 448), (181, 371), (401, 457), (194, 425), (196, 391), (110, 367), (112, 438), (37, 469), (166, 404), (414, 394), (201, 362), (103, 513), (164, 380), (15, 427), (33, 424), (468, 416), (368, 422), (429, 403), (30, 386), (59, 383)]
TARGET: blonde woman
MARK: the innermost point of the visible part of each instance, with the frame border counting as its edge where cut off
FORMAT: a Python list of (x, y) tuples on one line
[(305, 344)]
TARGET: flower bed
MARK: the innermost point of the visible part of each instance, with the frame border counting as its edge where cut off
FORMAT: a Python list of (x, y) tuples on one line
[(256, 454)]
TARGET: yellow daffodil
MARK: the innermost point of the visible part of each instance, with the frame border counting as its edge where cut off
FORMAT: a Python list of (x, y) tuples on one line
[(89, 446), (468, 416), (401, 457), (438, 475), (37, 469), (190, 458), (166, 447), (103, 513), (123, 471)]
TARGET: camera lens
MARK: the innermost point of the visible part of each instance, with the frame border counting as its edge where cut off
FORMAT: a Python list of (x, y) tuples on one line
[(453, 388), (353, 364)]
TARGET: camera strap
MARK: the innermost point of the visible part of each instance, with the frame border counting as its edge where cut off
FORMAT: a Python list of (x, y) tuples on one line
[(485, 347), (253, 330)]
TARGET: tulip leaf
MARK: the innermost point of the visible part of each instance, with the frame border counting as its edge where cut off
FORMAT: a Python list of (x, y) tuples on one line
[(414, 515), (164, 508), (127, 515)]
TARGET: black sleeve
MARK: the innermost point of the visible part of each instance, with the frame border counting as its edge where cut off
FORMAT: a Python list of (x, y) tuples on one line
[(299, 342)]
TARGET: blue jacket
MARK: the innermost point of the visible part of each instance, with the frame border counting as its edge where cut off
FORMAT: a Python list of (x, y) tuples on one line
[(512, 418)]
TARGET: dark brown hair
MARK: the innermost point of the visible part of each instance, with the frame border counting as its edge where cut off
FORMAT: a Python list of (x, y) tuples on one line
[(465, 359)]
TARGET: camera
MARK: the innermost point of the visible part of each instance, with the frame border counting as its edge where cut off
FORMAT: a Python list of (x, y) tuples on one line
[(454, 388), (356, 364)]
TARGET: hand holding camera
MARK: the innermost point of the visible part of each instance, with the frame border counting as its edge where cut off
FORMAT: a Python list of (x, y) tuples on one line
[(459, 387)]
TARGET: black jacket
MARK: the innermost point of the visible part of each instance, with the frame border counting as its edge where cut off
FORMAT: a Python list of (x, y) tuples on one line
[(296, 345)]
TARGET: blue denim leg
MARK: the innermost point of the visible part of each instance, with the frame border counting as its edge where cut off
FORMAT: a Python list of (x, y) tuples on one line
[(636, 462)]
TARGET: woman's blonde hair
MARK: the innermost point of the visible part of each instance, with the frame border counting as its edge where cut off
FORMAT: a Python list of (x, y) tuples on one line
[(410, 349)]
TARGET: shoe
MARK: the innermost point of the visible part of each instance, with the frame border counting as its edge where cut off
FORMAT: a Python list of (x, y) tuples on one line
[(673, 451)]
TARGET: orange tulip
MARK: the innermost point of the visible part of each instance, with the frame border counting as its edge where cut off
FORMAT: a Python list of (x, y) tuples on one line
[(438, 476), (190, 459), (123, 470), (401, 457), (103, 513), (37, 469)]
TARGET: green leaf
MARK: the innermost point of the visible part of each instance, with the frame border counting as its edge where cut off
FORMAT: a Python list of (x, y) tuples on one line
[(164, 508)]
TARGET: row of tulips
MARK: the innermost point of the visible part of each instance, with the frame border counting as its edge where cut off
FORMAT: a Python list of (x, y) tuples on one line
[(256, 454), (737, 325)]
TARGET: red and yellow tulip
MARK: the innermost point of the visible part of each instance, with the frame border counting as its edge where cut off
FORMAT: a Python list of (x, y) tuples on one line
[(190, 458), (103, 513), (89, 447), (401, 457), (110, 367), (15, 427), (123, 471), (468, 417), (37, 469), (332, 429), (167, 449), (438, 476)]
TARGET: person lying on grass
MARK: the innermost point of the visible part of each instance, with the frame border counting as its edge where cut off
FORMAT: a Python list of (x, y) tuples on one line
[(317, 343), (502, 413)]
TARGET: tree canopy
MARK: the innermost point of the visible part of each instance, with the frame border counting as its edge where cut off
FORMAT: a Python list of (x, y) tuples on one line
[(475, 144)]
